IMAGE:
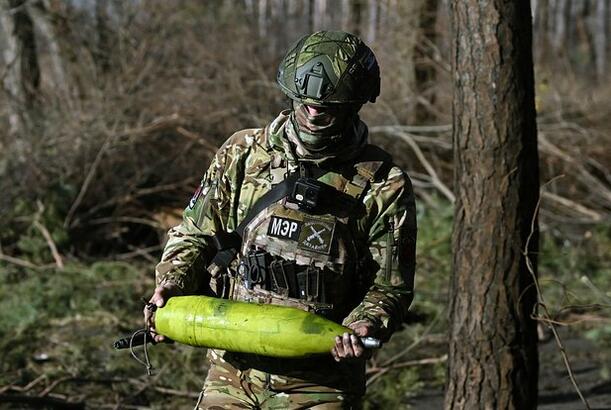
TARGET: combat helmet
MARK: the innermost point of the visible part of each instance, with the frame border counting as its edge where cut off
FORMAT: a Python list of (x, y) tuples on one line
[(330, 67)]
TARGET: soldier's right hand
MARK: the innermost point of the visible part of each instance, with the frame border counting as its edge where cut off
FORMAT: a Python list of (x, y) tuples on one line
[(160, 297)]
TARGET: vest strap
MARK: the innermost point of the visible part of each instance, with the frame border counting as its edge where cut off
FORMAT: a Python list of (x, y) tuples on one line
[(228, 243)]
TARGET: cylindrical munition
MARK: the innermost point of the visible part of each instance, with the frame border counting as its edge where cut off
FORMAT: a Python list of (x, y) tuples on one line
[(269, 330)]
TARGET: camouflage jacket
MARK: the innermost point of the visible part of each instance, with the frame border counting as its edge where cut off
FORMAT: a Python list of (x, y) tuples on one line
[(240, 174)]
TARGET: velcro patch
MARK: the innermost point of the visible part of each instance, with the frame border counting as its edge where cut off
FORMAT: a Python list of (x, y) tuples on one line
[(196, 195), (284, 228), (317, 235)]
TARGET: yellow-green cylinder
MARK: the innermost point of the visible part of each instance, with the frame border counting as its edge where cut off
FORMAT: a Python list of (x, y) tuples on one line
[(269, 330)]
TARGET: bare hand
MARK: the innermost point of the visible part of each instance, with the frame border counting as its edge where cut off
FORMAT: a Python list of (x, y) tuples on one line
[(349, 346), (160, 297)]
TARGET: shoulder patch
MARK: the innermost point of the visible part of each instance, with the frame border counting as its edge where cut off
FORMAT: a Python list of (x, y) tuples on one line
[(196, 195)]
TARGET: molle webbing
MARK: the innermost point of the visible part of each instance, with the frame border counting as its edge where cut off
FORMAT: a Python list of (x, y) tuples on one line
[(228, 243)]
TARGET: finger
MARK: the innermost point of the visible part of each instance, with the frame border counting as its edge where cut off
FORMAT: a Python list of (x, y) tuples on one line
[(159, 297), (334, 354), (150, 323), (361, 327), (165, 292), (339, 346), (357, 324), (348, 352), (362, 331), (148, 318), (147, 314), (357, 346)]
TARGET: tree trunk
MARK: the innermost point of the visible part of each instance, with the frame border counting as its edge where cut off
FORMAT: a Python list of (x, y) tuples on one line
[(561, 18), (581, 38), (493, 361), (311, 17), (262, 14), (541, 38), (103, 47), (22, 75), (357, 17), (44, 21), (320, 15), (345, 15), (600, 38), (372, 23), (425, 72)]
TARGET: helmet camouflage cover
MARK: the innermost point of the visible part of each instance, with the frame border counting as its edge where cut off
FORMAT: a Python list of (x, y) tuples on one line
[(330, 67)]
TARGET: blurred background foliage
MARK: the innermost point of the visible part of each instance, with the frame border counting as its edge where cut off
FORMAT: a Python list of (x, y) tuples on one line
[(111, 111)]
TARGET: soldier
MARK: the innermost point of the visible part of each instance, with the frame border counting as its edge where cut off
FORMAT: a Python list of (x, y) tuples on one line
[(303, 213)]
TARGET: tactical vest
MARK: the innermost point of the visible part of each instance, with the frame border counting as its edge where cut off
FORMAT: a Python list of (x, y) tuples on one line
[(303, 249)]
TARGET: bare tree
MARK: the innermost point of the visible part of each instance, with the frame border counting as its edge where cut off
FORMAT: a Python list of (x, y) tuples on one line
[(262, 13), (22, 76), (103, 44), (356, 12), (47, 25), (372, 23), (601, 37), (541, 25), (561, 21), (493, 361), (319, 15), (346, 14), (425, 72)]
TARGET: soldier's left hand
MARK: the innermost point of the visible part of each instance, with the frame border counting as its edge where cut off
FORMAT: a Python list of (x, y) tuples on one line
[(349, 346)]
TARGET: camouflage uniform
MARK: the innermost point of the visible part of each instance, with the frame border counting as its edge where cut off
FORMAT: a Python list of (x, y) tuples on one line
[(351, 259)]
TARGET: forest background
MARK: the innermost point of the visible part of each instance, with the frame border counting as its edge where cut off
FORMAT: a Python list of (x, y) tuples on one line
[(111, 111)]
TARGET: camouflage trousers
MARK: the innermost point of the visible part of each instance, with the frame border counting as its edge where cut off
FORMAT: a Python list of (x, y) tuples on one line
[(227, 387)]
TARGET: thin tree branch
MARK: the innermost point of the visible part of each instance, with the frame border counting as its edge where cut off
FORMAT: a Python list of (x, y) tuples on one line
[(567, 203), (21, 262), (87, 181), (546, 317), (435, 180)]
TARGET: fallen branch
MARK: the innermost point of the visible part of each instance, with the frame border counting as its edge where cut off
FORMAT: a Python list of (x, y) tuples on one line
[(41, 402), (54, 384), (412, 128), (567, 203), (398, 130), (409, 363), (596, 187), (435, 180), (25, 388), (378, 372), (179, 393), (159, 124), (193, 136), (138, 193), (21, 262), (50, 243), (144, 252), (120, 406), (127, 219), (415, 343)]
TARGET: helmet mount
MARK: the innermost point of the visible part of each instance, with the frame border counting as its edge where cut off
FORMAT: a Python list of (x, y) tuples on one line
[(328, 68), (315, 82)]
